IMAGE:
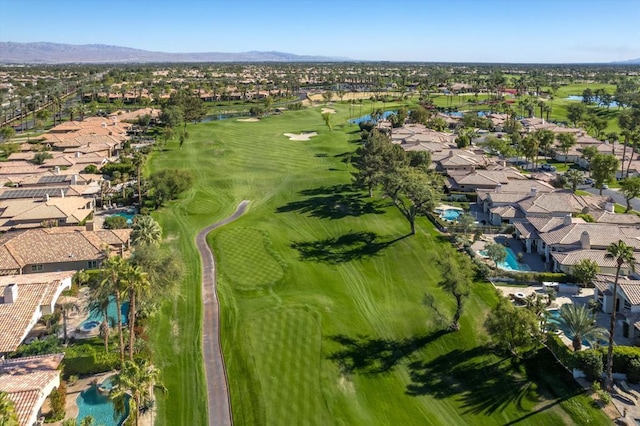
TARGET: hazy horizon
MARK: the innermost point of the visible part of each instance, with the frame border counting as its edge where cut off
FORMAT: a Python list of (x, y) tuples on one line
[(491, 31)]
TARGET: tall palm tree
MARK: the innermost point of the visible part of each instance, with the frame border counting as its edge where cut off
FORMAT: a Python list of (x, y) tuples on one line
[(581, 324), (8, 415), (623, 254), (113, 270), (67, 305), (146, 231), (99, 301), (133, 385), (138, 163), (137, 284)]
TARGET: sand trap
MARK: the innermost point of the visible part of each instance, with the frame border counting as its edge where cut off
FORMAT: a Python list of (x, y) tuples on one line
[(249, 120), (301, 136), (328, 110)]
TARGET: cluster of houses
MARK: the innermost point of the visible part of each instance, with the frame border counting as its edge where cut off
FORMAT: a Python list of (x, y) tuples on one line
[(46, 212), (561, 227)]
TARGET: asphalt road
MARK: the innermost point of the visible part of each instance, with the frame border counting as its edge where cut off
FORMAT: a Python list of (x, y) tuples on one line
[(613, 193), (217, 384)]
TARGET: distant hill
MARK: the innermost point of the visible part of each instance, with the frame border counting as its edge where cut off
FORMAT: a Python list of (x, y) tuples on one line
[(55, 53), (629, 62)]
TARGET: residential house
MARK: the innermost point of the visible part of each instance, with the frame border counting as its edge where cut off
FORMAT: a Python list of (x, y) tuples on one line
[(48, 211), (25, 299), (28, 382), (627, 304), (59, 249)]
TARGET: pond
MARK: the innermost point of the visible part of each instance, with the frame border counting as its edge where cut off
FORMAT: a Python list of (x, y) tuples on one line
[(368, 117), (579, 98)]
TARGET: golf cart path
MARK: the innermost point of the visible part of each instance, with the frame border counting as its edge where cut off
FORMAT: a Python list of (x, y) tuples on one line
[(216, 374)]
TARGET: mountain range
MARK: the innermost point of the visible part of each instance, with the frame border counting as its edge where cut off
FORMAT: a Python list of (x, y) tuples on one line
[(56, 53), (628, 62)]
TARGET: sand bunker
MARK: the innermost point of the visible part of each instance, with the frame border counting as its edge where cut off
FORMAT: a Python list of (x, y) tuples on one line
[(305, 136), (249, 120), (328, 110)]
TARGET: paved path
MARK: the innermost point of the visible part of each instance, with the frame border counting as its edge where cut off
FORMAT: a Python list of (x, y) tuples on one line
[(217, 386)]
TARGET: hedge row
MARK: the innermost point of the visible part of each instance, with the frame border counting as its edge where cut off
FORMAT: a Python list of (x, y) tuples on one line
[(80, 360), (626, 360)]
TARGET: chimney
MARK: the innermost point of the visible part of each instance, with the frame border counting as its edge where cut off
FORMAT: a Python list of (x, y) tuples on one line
[(46, 197), (499, 187), (533, 192), (585, 241), (11, 293), (89, 226), (74, 180), (77, 154), (450, 153), (57, 170), (567, 220), (103, 125), (61, 192), (608, 207)]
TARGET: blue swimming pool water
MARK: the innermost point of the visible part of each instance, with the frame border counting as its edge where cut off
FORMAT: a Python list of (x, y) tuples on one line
[(367, 117), (127, 215), (511, 262), (451, 214), (107, 384), (112, 312), (92, 403)]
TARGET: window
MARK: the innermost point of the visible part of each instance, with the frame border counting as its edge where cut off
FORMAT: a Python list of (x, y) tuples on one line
[(92, 264), (36, 268)]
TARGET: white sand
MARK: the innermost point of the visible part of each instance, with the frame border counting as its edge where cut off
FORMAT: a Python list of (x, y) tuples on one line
[(249, 120), (301, 136), (328, 110)]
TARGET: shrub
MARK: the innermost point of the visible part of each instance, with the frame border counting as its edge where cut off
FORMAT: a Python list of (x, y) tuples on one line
[(560, 350), (115, 222), (604, 396), (83, 359), (590, 362), (58, 399)]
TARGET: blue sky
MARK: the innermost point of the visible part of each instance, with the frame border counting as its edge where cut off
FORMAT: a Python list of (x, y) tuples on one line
[(553, 31)]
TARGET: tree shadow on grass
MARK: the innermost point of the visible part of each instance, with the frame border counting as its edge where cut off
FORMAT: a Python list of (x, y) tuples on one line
[(484, 384), (348, 247), (374, 356), (481, 382), (334, 202)]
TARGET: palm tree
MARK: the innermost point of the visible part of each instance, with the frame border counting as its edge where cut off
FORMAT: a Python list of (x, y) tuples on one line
[(134, 385), (113, 270), (8, 415), (99, 300), (67, 305), (138, 163), (623, 254), (581, 324), (146, 231), (136, 283)]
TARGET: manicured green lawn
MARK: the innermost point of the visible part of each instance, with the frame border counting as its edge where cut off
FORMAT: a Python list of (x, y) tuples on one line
[(321, 291)]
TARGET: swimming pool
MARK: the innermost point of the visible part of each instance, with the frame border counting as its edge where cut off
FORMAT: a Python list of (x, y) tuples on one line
[(95, 316), (510, 263), (554, 322), (91, 403), (128, 215), (451, 214)]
